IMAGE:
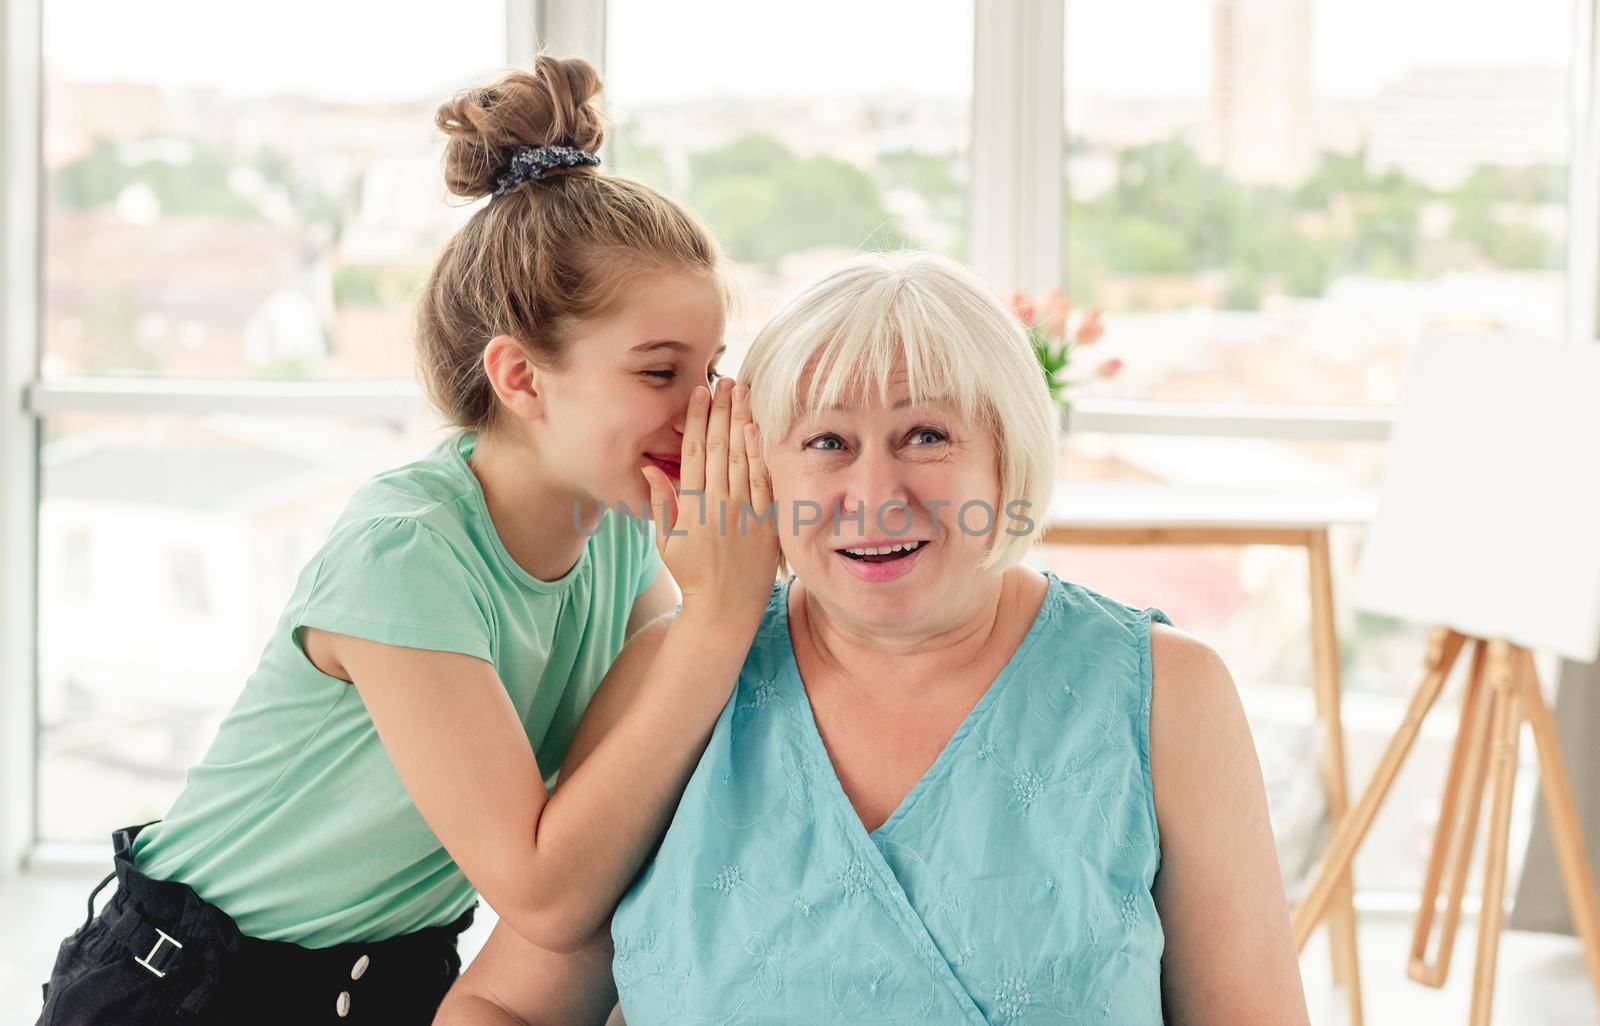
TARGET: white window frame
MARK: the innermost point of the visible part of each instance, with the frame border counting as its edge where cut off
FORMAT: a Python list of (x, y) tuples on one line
[(1017, 135), (21, 40)]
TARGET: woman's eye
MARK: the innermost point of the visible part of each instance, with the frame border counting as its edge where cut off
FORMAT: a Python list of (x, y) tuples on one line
[(826, 443), (712, 375), (934, 435)]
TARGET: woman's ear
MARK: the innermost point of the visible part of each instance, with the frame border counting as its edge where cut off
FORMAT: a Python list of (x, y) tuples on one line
[(514, 377)]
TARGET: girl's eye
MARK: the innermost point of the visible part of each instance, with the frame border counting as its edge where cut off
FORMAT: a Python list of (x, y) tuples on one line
[(667, 375), (937, 436), (821, 443)]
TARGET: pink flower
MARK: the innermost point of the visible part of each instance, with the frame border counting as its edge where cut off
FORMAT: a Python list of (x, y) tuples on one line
[(1023, 308), (1090, 329), (1109, 368), (1056, 309)]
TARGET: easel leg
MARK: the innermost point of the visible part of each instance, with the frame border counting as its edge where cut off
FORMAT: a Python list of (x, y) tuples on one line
[(1443, 647), (1325, 664), (1564, 825), (1503, 769), (1457, 830)]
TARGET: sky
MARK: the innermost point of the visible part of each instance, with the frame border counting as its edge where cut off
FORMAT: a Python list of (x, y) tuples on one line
[(691, 49)]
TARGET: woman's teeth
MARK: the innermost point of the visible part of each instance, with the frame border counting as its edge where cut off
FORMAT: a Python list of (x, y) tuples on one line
[(882, 553)]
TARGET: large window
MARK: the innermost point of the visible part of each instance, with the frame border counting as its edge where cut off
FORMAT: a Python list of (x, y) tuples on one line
[(167, 548), (787, 129), (242, 193), (1271, 198), (224, 198), (1266, 200)]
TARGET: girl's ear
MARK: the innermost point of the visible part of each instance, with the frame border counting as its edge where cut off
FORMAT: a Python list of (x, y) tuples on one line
[(514, 377)]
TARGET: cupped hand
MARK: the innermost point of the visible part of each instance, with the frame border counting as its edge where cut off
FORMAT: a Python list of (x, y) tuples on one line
[(717, 533)]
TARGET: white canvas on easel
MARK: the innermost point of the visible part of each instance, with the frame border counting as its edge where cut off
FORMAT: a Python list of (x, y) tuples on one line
[(1489, 515), (1488, 530)]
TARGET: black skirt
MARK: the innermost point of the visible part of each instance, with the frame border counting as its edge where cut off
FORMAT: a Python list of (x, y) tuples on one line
[(158, 954)]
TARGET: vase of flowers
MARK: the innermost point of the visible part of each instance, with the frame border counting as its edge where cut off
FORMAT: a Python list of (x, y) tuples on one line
[(1056, 340)]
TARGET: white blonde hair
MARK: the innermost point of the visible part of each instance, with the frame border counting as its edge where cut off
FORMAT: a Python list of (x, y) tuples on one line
[(937, 323)]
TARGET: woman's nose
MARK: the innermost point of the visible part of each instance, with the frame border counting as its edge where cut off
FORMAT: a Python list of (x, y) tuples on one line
[(876, 480)]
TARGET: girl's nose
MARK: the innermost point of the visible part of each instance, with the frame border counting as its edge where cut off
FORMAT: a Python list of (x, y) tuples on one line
[(682, 417)]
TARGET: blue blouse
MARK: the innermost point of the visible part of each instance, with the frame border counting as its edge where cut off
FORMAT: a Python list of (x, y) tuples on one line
[(1011, 885)]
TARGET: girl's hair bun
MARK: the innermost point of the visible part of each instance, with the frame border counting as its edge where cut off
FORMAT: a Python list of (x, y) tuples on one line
[(556, 104)]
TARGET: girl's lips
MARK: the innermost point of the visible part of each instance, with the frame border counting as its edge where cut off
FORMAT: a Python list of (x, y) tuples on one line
[(669, 467)]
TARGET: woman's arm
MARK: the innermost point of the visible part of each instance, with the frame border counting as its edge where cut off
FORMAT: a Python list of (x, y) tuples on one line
[(514, 983), (1230, 957)]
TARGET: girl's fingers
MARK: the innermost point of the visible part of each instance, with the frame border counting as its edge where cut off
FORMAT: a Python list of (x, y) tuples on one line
[(692, 469), (716, 482), (662, 505), (738, 470), (760, 486)]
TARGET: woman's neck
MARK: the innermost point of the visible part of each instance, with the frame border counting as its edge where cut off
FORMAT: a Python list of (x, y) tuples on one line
[(541, 522), (865, 659)]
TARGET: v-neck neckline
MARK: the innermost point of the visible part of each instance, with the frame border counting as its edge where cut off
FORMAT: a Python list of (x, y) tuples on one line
[(990, 695)]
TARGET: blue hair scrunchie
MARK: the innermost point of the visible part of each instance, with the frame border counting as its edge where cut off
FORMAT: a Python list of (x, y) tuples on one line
[(534, 162)]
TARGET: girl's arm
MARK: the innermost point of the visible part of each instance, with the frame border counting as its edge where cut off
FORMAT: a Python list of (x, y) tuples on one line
[(514, 983), (653, 603), (1230, 956), (553, 866)]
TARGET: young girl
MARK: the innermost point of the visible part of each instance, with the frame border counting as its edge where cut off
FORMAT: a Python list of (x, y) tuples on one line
[(391, 754)]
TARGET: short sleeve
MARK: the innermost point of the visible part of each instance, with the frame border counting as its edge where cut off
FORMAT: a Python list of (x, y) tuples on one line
[(399, 582), (649, 560)]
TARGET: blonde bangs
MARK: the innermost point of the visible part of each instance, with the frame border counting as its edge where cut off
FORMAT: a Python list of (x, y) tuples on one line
[(862, 335)]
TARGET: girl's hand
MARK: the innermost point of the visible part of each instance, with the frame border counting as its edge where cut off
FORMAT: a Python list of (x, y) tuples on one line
[(718, 535)]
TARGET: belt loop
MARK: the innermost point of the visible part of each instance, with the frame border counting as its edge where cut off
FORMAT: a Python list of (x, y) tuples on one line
[(122, 840)]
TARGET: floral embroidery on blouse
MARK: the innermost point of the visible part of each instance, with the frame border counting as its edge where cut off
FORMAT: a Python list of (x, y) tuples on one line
[(1012, 995), (729, 878), (855, 879)]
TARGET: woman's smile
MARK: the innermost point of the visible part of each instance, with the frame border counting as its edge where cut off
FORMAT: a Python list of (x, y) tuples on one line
[(880, 561)]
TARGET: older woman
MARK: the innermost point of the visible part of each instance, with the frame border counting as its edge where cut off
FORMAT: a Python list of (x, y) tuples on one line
[(947, 788)]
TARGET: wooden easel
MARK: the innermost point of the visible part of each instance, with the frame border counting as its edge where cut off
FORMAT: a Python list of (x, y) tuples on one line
[(1502, 693)]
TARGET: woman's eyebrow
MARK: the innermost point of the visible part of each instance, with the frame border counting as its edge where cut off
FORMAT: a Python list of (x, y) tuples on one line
[(899, 404)]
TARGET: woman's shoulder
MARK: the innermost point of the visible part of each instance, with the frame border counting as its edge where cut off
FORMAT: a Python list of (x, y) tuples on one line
[(1082, 599), (1197, 721), (1185, 669)]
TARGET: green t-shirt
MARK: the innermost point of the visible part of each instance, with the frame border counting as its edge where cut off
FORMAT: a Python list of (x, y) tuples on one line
[(295, 822)]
